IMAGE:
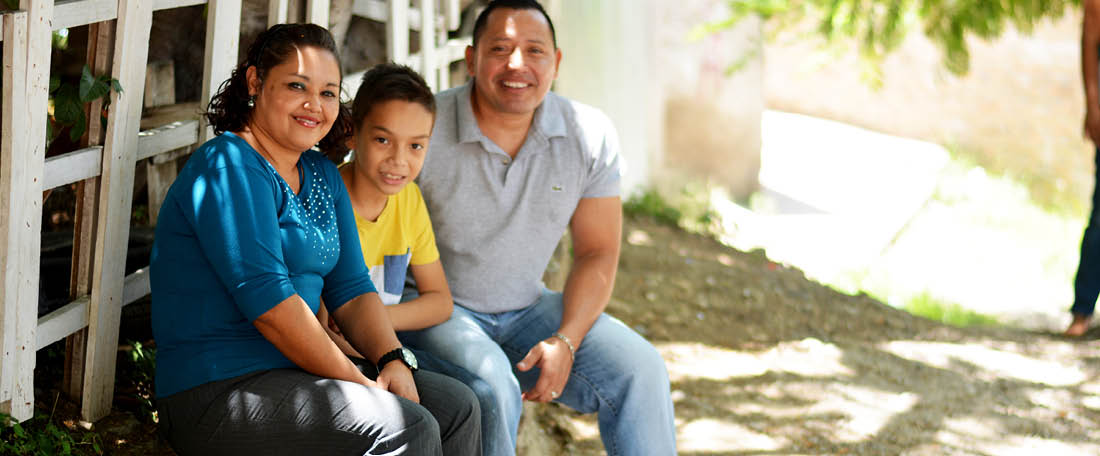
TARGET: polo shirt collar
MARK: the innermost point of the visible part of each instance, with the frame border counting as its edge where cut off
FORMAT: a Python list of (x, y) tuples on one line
[(545, 123)]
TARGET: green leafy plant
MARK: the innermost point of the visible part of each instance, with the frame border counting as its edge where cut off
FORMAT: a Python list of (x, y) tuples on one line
[(39, 436), (143, 368), (68, 101), (877, 27), (650, 204)]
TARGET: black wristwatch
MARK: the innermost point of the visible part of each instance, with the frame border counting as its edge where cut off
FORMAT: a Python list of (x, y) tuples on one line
[(400, 353)]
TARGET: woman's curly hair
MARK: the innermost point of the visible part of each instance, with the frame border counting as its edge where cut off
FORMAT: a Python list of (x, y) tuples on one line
[(229, 110)]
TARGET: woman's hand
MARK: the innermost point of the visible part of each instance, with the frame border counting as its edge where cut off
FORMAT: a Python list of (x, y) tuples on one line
[(396, 378)]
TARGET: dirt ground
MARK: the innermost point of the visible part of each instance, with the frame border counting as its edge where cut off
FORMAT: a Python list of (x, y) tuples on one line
[(764, 361)]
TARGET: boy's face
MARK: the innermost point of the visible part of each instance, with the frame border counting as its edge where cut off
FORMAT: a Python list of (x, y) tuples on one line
[(391, 144)]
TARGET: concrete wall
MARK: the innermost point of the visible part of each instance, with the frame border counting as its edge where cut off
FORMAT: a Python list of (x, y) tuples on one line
[(678, 113)]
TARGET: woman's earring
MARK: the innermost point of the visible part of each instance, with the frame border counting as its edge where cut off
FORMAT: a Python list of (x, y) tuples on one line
[(252, 101)]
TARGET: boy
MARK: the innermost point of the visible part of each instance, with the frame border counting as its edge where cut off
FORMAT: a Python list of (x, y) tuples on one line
[(393, 115)]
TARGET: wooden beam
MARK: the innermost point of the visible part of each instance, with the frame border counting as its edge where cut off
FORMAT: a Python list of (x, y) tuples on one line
[(166, 138), (317, 12), (452, 15), (428, 64), (72, 167), (62, 322), (101, 38), (169, 4), (116, 192), (135, 286), (74, 13), (276, 12), (21, 179), (13, 143), (379, 10), (397, 31), (73, 317), (223, 25)]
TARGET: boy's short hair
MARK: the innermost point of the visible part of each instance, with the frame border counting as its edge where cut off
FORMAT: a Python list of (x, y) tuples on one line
[(388, 82)]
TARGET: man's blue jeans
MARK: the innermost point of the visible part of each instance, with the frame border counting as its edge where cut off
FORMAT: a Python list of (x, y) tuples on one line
[(617, 373), (1086, 286)]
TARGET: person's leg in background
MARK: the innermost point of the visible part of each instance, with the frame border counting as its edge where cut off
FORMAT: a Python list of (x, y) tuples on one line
[(1086, 285)]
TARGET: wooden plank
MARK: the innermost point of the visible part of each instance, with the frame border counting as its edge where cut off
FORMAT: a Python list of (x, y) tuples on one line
[(317, 12), (452, 15), (101, 36), (73, 13), (379, 10), (223, 24), (160, 84), (135, 286), (397, 31), (62, 322), (13, 141), (116, 192), (169, 4), (166, 138), (428, 65), (21, 177), (276, 12), (73, 166), (158, 178)]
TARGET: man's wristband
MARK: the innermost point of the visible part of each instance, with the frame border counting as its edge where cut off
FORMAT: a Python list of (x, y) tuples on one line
[(568, 343)]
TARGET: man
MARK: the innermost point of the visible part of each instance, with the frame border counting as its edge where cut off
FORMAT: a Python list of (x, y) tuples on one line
[(1086, 285), (512, 167)]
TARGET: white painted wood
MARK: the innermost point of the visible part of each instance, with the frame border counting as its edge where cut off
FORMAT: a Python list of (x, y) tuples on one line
[(21, 178), (13, 141), (116, 187), (428, 63), (379, 10), (62, 322), (452, 14), (74, 166), (169, 4), (162, 139), (317, 12), (223, 24), (73, 13), (276, 12), (397, 31), (135, 286)]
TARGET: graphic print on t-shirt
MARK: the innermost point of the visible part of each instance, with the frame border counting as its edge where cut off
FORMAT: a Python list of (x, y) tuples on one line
[(389, 277)]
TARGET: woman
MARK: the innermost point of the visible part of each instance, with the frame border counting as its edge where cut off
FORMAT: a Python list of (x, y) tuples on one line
[(255, 231)]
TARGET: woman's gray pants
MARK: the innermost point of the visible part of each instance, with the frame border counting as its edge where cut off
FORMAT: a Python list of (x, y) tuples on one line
[(292, 412)]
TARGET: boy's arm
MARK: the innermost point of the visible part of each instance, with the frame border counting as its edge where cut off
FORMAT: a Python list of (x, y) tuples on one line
[(333, 332), (432, 307)]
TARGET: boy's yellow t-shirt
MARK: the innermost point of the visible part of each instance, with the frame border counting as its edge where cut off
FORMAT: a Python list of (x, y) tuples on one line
[(401, 236)]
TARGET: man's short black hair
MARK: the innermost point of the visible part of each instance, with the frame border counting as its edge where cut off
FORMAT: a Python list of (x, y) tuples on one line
[(483, 18)]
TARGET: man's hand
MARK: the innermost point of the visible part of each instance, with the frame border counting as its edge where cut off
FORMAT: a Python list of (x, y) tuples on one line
[(396, 378), (1092, 126), (555, 363)]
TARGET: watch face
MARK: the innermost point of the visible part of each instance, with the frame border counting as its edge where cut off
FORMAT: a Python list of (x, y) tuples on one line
[(409, 358)]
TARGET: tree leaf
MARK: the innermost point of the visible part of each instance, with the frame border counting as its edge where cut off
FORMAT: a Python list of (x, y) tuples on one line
[(77, 130), (87, 81)]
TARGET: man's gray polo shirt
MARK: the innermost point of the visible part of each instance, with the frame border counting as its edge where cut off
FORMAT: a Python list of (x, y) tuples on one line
[(498, 220)]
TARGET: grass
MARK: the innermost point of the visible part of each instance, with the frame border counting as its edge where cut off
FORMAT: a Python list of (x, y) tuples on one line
[(39, 436), (928, 306)]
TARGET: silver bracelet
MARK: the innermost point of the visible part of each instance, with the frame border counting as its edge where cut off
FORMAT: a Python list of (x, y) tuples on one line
[(568, 343)]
